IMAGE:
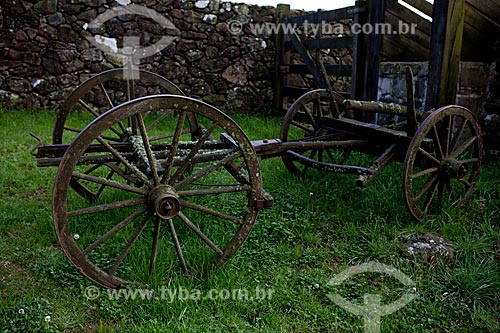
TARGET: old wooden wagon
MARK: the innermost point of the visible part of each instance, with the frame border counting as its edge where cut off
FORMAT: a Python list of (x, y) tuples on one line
[(164, 160)]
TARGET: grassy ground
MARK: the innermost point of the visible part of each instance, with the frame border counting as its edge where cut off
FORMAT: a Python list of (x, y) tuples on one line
[(318, 227)]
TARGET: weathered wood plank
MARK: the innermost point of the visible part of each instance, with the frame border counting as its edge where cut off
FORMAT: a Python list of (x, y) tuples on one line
[(398, 47), (402, 48), (488, 9), (406, 15), (327, 16), (422, 5), (447, 38), (325, 43), (282, 11), (335, 70), (453, 48)]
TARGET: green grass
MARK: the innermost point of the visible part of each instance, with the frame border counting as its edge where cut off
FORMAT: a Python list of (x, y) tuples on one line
[(318, 227)]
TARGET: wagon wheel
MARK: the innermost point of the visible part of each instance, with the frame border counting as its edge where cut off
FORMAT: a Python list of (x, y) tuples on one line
[(208, 213), (303, 122), (443, 161), (96, 96)]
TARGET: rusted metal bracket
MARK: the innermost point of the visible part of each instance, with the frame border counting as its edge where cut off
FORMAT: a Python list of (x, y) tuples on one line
[(378, 166), (39, 143), (266, 202)]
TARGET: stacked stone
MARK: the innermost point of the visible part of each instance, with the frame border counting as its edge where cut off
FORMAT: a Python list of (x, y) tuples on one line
[(44, 52)]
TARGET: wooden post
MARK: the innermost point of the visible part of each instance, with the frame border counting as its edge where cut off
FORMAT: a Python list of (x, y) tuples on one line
[(446, 47), (282, 11), (367, 52), (377, 16)]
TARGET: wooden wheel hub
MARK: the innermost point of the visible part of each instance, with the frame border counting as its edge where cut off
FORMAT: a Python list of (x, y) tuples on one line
[(454, 169), (165, 201)]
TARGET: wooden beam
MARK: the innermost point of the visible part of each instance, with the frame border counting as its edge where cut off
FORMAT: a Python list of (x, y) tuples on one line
[(326, 16), (409, 47), (325, 43), (404, 14), (446, 46), (282, 11), (335, 70), (422, 5), (306, 56), (376, 9)]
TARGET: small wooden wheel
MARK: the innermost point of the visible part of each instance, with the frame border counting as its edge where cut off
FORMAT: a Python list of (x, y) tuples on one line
[(443, 161), (208, 211), (101, 93), (303, 122)]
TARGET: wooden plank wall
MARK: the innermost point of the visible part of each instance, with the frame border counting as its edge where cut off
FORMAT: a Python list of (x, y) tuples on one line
[(482, 26)]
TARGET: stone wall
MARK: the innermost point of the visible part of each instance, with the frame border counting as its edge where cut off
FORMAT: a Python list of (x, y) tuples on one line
[(44, 52), (491, 125)]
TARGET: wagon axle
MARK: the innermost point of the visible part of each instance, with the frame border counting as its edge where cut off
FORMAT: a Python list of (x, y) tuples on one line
[(165, 201)]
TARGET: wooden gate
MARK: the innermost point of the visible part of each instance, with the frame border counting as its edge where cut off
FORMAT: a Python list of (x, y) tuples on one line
[(310, 44)]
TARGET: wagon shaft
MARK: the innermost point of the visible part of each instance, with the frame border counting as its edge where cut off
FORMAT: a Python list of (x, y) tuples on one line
[(51, 155)]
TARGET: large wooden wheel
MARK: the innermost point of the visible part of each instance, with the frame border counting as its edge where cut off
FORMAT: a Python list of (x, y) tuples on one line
[(99, 94), (207, 213), (303, 123), (443, 161)]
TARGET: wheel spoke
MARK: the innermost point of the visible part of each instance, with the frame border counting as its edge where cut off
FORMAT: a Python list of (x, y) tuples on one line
[(428, 184), (424, 173), (108, 177), (311, 156), (78, 130), (155, 123), (107, 96), (441, 193), (96, 114), (115, 229), (129, 245), (154, 248), (93, 168), (311, 117), (210, 212), (429, 155), (72, 129), (107, 182), (105, 207), (208, 169), (448, 136), (108, 99), (215, 191), (329, 153), (431, 195), (129, 166), (122, 174), (192, 153), (173, 149), (464, 147), (438, 141), (457, 137), (302, 127), (200, 234), (177, 246), (470, 160), (465, 182), (168, 135), (147, 148)]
